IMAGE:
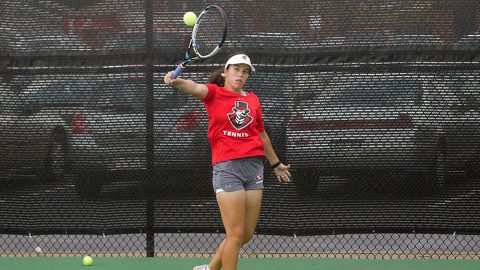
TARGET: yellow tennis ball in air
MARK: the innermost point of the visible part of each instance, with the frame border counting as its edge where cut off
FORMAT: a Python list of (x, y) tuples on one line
[(87, 261), (190, 18)]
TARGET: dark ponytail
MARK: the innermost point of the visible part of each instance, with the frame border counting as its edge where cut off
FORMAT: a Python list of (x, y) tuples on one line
[(217, 78)]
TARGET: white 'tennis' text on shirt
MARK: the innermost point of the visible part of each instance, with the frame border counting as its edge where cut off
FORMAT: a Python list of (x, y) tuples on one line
[(235, 134)]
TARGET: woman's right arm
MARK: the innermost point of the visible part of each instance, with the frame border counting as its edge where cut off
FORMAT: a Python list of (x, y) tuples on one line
[(190, 87)]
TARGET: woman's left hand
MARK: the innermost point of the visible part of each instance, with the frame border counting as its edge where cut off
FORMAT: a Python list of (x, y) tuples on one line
[(282, 173)]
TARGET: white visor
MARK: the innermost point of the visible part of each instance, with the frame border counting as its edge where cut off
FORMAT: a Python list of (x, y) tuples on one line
[(239, 59)]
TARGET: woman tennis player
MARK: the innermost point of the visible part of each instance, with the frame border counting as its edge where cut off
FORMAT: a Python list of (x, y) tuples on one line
[(239, 142)]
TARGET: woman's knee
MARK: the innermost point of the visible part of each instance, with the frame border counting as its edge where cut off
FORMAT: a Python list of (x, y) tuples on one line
[(247, 237), (237, 235)]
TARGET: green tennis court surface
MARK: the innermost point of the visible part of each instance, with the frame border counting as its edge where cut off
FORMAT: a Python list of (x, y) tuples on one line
[(114, 263)]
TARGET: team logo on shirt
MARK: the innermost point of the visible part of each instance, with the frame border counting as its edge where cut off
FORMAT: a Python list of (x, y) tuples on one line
[(240, 118)]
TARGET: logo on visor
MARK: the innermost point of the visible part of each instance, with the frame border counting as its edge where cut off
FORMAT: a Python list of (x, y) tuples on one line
[(240, 117)]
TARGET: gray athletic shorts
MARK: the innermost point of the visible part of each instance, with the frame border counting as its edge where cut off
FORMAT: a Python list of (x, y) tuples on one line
[(238, 174)]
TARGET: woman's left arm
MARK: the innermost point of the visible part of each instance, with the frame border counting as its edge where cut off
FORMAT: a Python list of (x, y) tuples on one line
[(280, 169)]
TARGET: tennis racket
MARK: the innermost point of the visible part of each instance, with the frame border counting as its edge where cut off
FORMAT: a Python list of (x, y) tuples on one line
[(208, 36)]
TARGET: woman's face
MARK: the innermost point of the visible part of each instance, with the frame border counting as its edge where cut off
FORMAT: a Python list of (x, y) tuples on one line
[(236, 76)]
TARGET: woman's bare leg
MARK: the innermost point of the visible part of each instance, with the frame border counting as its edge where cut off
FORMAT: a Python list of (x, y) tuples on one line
[(253, 200)]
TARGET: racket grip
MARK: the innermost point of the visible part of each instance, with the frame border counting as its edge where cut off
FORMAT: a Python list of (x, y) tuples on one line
[(177, 71)]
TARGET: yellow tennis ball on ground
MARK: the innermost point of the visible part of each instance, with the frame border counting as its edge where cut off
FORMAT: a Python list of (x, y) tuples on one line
[(87, 261), (190, 18)]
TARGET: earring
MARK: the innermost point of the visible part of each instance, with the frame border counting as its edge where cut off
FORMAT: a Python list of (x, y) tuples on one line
[(223, 74)]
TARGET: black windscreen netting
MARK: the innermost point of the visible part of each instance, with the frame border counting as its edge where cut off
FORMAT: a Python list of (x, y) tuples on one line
[(375, 104)]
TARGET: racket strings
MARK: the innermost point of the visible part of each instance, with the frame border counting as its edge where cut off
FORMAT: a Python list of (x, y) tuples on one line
[(209, 33)]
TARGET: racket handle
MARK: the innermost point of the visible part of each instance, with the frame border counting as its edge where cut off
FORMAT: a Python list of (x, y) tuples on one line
[(177, 71)]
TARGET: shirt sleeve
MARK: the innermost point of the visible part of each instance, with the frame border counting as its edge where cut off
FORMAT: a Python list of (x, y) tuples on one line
[(260, 125), (211, 92)]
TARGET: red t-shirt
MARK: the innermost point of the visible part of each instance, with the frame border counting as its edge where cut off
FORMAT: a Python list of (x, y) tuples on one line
[(234, 124)]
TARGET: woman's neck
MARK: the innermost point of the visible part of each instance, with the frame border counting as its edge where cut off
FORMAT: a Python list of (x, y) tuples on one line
[(236, 91)]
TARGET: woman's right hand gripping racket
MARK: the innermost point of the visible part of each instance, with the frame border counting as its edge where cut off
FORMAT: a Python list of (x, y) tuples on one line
[(208, 36)]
